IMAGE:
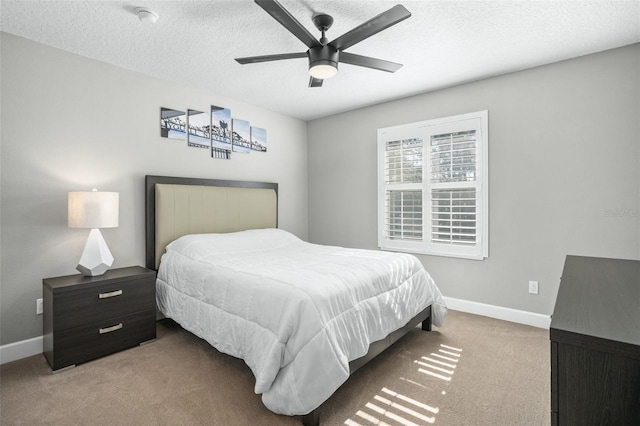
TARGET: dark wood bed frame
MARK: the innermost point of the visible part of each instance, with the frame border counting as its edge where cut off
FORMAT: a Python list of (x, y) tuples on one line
[(375, 348)]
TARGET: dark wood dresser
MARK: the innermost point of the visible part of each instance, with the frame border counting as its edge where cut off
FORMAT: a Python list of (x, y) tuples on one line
[(595, 343), (88, 317)]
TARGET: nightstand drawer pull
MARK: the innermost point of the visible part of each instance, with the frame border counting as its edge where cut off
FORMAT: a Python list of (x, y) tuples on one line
[(110, 294), (110, 329)]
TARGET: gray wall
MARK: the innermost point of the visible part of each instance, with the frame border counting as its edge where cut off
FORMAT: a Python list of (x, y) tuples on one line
[(564, 151), (564, 172), (72, 123)]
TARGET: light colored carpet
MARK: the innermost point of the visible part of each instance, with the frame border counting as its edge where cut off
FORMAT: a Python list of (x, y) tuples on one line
[(473, 371)]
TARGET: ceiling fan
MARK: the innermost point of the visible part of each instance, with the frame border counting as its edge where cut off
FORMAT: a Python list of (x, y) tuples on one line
[(324, 55)]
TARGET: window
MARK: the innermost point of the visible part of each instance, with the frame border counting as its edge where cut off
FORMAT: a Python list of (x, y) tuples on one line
[(433, 187)]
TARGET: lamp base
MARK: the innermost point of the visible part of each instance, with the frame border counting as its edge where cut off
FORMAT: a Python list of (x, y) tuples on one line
[(96, 258)]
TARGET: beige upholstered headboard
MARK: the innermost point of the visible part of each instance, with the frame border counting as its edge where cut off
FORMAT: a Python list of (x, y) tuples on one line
[(182, 206)]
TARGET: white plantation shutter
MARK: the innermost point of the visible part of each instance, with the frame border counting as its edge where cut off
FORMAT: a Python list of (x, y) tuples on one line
[(433, 187), (404, 215), (453, 160), (453, 157), (453, 216), (403, 192), (403, 161)]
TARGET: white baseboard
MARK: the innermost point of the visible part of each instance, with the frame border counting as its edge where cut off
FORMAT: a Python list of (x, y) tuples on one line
[(19, 350), (499, 312)]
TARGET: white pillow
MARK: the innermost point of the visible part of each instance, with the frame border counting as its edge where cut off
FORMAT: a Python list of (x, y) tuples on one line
[(197, 246)]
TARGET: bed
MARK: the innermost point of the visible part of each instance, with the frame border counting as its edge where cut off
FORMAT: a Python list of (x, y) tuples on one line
[(302, 316)]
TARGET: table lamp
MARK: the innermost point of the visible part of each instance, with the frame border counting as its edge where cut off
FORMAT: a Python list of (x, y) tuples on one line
[(94, 210)]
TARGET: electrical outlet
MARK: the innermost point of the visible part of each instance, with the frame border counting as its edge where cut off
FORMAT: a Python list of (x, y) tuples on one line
[(533, 287), (39, 307)]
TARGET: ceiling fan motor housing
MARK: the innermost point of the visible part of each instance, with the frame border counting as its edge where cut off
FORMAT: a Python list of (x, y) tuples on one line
[(323, 55)]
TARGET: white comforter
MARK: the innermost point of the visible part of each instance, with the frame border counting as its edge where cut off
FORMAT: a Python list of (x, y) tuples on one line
[(296, 312)]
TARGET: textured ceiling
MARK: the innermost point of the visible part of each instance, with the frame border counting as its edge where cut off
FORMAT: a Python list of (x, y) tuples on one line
[(444, 43)]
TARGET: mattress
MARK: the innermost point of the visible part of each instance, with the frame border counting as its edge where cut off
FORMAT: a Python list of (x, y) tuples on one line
[(296, 313)]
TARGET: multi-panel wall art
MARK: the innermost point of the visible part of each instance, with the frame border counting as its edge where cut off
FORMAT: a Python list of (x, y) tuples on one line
[(173, 123), (214, 130), (241, 136), (258, 139), (220, 132), (198, 129)]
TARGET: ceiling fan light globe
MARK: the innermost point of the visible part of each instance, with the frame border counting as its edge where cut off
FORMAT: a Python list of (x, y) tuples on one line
[(323, 71)]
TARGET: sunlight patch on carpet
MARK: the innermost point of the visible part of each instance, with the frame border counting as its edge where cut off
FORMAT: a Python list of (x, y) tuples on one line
[(409, 410)]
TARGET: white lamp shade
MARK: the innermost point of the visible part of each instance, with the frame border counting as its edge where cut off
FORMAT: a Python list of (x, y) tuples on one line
[(93, 209)]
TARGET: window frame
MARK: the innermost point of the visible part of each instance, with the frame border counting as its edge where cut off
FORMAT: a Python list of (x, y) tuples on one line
[(477, 121)]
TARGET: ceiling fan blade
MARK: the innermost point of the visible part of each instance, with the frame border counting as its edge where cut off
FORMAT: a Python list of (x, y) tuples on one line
[(315, 82), (368, 62), (267, 58), (281, 15), (372, 26)]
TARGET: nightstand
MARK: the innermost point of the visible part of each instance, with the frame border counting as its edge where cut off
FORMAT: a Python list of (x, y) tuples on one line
[(88, 317)]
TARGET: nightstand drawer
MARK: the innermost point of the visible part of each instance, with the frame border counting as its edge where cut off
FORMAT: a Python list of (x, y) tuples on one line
[(87, 342), (103, 302)]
